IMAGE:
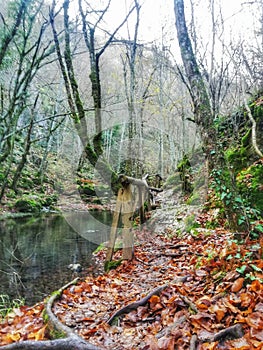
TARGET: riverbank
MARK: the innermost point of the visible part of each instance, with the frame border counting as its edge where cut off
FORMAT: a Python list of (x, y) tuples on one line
[(188, 286), (204, 289)]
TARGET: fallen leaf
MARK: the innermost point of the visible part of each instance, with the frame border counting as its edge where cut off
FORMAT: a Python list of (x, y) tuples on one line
[(255, 320), (237, 285)]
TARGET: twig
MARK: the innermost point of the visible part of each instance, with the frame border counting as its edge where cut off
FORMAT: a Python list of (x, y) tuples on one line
[(193, 342), (188, 302)]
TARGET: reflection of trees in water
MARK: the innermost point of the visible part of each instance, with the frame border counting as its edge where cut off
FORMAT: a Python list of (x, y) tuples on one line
[(35, 253)]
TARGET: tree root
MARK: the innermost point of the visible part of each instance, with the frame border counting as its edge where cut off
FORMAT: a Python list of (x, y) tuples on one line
[(71, 340), (133, 306), (233, 332)]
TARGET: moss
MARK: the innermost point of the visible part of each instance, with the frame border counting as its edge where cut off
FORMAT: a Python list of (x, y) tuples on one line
[(245, 141), (194, 199), (238, 157), (250, 184), (190, 223), (28, 204), (110, 265)]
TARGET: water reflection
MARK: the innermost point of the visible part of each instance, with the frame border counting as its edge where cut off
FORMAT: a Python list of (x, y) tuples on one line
[(35, 252)]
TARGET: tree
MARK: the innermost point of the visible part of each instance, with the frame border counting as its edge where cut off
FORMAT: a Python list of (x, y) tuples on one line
[(29, 54), (200, 98), (93, 150)]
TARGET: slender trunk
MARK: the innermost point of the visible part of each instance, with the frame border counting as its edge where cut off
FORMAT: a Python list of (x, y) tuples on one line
[(199, 95)]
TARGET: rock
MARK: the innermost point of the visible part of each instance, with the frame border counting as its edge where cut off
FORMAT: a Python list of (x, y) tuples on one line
[(75, 267)]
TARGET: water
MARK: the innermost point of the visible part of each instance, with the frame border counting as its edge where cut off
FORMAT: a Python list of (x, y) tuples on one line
[(35, 251)]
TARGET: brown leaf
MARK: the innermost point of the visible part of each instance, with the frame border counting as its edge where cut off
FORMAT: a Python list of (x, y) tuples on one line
[(255, 320), (219, 310), (166, 343), (256, 334), (237, 285)]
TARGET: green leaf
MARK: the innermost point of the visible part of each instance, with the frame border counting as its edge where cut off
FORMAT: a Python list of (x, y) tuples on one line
[(254, 267), (241, 269), (259, 228)]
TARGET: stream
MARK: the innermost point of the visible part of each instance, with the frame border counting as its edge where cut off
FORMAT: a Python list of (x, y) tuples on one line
[(35, 251)]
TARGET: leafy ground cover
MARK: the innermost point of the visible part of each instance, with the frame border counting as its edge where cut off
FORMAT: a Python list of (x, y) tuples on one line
[(197, 291)]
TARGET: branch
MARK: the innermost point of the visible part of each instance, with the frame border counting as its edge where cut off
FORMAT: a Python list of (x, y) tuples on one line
[(254, 126)]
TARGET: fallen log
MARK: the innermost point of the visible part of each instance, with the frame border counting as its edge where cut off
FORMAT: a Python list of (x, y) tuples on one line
[(71, 340)]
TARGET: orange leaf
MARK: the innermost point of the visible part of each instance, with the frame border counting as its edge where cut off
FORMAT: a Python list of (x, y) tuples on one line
[(245, 299), (40, 334), (237, 285), (11, 337), (256, 286), (154, 299), (78, 289)]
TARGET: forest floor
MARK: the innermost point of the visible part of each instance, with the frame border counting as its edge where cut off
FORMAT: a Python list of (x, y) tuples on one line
[(200, 290)]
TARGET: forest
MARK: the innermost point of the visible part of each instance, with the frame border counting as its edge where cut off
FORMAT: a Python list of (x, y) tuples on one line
[(154, 113)]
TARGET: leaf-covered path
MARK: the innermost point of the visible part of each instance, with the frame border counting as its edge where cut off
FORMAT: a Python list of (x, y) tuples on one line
[(210, 297)]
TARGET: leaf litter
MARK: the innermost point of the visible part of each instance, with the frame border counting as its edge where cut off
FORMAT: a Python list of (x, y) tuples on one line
[(199, 292)]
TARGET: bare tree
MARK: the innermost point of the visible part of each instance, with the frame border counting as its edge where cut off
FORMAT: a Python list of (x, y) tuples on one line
[(197, 88)]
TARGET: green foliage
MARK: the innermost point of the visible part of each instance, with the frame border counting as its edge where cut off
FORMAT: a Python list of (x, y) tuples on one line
[(191, 224), (250, 185), (28, 204), (111, 265), (238, 157), (102, 246), (7, 304), (237, 204)]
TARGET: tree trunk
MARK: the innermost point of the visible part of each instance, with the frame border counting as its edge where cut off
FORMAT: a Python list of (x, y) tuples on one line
[(199, 95)]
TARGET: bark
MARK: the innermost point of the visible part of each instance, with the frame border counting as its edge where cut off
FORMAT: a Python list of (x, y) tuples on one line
[(254, 128), (11, 34), (197, 89)]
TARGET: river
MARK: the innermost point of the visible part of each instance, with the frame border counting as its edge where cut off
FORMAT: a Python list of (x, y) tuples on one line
[(35, 251)]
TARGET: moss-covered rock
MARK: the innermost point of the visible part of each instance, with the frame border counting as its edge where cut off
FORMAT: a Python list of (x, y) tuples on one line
[(28, 204)]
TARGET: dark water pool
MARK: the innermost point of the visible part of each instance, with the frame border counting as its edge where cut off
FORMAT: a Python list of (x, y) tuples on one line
[(35, 251)]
